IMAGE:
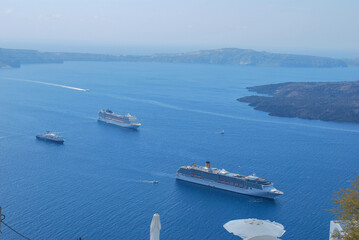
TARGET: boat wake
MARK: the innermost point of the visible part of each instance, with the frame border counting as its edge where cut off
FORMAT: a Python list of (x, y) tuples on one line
[(92, 118), (257, 201), (11, 136), (89, 120), (165, 105), (149, 101), (46, 83), (149, 181), (162, 174)]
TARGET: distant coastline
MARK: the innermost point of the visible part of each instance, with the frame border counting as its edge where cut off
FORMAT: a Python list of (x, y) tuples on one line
[(326, 101), (14, 58)]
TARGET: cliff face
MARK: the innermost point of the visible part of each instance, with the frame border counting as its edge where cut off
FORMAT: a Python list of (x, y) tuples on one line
[(327, 101), (353, 62), (15, 57), (249, 57)]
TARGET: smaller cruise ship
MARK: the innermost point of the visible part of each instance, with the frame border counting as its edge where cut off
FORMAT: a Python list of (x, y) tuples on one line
[(128, 121), (51, 137)]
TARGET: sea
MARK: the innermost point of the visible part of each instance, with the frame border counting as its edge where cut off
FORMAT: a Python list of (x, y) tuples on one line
[(98, 184)]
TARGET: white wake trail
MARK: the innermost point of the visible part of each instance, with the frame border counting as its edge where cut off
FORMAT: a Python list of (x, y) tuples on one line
[(152, 102), (10, 136), (45, 83), (165, 105)]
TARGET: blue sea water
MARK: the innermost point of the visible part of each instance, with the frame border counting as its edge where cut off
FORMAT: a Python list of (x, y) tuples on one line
[(97, 185)]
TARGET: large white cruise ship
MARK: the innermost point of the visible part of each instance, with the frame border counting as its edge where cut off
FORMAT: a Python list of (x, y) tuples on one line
[(127, 121), (220, 178)]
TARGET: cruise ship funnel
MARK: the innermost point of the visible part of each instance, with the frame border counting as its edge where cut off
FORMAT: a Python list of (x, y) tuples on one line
[(208, 164)]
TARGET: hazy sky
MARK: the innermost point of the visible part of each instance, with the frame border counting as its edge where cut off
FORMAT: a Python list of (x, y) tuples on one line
[(307, 26)]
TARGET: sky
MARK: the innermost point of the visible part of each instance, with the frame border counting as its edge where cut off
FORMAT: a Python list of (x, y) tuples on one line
[(317, 27)]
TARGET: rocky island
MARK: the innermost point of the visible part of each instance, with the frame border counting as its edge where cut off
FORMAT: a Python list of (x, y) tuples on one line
[(327, 101), (229, 56)]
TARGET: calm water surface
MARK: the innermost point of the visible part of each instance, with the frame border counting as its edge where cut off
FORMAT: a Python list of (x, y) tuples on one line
[(97, 186)]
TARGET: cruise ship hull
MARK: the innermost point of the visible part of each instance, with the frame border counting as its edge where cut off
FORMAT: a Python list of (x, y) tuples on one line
[(59, 141), (248, 191), (126, 125)]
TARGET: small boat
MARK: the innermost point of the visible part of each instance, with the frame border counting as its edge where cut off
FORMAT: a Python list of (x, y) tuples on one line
[(51, 137), (154, 181), (222, 132)]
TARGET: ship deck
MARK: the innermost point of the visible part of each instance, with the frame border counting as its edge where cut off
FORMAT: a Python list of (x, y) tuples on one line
[(251, 178)]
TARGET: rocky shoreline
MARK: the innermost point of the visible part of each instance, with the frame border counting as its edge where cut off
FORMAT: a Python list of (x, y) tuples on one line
[(326, 101)]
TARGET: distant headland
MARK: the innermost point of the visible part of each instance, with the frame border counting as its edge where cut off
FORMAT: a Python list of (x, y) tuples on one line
[(327, 101), (13, 58)]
